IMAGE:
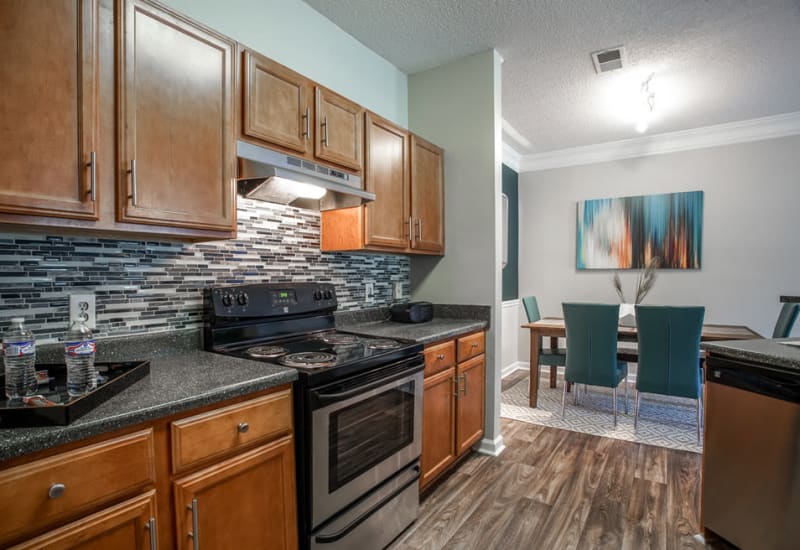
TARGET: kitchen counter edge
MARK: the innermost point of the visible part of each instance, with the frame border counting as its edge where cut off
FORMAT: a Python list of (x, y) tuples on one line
[(768, 352), (177, 383), (436, 330)]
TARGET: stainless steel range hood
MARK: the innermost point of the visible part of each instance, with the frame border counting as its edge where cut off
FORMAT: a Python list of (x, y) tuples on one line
[(271, 176)]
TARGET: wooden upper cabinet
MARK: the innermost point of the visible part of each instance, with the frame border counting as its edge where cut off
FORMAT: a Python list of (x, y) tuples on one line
[(339, 130), (387, 175), (176, 137), (427, 196), (49, 108), (277, 104), (245, 502)]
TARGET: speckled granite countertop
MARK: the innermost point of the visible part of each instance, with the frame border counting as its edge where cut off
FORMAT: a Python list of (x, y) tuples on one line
[(448, 322), (766, 351), (180, 379)]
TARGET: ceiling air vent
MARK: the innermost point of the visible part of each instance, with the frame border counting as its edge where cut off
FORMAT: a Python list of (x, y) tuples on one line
[(608, 60)]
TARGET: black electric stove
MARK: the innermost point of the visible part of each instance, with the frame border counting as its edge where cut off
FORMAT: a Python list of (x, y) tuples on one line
[(358, 408)]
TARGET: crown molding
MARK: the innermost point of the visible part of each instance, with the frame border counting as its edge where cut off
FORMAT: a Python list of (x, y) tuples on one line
[(511, 157), (756, 129)]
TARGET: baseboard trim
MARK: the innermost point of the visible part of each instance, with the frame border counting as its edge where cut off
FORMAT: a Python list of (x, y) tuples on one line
[(515, 366), (491, 447)]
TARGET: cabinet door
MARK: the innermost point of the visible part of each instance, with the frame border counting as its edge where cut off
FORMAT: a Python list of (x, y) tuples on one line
[(387, 175), (470, 404), (427, 196), (339, 129), (245, 502), (176, 138), (130, 525), (48, 108), (277, 104), (438, 424)]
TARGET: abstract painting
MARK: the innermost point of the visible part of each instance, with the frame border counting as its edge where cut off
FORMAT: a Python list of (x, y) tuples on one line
[(626, 232)]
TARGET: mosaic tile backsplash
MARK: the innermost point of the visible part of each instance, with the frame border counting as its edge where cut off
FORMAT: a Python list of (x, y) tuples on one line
[(151, 286)]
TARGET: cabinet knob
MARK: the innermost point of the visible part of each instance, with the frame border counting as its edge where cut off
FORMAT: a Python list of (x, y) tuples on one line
[(474, 345), (440, 356), (56, 490), (243, 427)]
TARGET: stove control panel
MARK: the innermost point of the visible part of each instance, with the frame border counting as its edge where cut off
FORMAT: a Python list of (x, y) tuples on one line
[(269, 300)]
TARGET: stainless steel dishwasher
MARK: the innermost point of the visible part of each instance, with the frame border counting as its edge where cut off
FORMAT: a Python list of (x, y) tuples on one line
[(751, 462)]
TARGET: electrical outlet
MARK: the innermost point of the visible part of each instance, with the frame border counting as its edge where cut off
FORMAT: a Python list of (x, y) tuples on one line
[(369, 293), (81, 306), (397, 291)]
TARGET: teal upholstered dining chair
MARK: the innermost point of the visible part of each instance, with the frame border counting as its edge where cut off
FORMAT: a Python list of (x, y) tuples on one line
[(592, 333), (548, 356), (786, 319), (669, 354)]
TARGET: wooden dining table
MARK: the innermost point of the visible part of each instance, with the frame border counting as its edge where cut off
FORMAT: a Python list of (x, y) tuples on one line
[(554, 328)]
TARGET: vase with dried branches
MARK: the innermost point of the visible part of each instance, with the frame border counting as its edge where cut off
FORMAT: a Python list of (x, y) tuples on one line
[(644, 283)]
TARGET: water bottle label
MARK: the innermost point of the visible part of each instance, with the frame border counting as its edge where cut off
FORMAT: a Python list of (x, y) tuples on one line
[(19, 349), (75, 349)]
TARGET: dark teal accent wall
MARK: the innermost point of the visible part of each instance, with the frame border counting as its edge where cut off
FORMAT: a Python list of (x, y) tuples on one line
[(511, 270)]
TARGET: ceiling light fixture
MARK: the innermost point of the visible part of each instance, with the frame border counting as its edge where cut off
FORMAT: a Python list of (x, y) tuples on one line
[(647, 105)]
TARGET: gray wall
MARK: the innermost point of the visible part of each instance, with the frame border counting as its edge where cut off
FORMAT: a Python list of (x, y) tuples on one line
[(292, 33), (457, 106), (750, 229)]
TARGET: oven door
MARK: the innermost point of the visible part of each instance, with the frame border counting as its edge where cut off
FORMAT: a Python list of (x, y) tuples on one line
[(364, 430)]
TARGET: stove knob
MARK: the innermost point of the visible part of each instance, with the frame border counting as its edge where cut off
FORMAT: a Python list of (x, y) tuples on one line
[(242, 299), (227, 300), (318, 295), (328, 294)]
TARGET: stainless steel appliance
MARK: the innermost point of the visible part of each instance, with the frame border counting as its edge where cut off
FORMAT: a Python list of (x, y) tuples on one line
[(751, 463), (358, 408)]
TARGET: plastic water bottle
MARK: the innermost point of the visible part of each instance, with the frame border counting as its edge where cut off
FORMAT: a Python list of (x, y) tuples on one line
[(79, 351), (19, 352)]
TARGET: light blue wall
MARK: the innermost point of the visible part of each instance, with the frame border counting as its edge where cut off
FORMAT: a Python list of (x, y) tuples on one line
[(294, 34)]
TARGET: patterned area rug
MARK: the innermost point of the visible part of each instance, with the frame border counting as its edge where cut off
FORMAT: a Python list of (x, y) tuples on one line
[(663, 421)]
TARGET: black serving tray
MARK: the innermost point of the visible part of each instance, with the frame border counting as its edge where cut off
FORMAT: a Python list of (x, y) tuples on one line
[(112, 379)]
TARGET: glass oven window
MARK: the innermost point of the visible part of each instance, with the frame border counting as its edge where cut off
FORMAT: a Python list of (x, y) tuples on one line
[(366, 433)]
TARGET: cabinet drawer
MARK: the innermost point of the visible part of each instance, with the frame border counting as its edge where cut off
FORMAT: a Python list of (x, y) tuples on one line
[(216, 433), (32, 496), (471, 346), (439, 357)]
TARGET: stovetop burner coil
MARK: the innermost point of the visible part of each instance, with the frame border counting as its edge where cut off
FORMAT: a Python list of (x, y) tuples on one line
[(309, 359), (383, 343), (336, 339), (266, 352)]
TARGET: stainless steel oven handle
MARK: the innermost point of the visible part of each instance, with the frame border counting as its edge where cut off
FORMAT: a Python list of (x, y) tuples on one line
[(325, 539), (328, 398)]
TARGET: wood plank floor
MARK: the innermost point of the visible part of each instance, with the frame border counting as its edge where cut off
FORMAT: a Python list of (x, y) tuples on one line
[(554, 489)]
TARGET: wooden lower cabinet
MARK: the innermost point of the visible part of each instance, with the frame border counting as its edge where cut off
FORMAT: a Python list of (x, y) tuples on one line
[(471, 376), (121, 491), (438, 424), (244, 502), (130, 525), (452, 405)]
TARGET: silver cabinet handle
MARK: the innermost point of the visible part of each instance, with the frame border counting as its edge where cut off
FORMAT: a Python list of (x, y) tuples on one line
[(474, 345), (93, 175), (325, 131), (307, 118), (134, 195), (56, 490), (419, 229), (440, 356), (243, 427), (455, 386), (410, 228), (465, 383), (195, 531), (151, 526)]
